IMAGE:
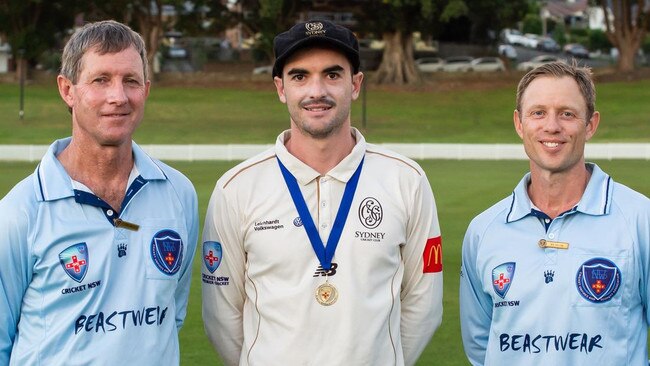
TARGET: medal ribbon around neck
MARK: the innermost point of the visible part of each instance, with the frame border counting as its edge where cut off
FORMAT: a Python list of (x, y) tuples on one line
[(324, 253)]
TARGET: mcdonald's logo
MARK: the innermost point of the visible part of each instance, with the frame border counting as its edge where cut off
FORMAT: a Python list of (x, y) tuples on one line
[(433, 255)]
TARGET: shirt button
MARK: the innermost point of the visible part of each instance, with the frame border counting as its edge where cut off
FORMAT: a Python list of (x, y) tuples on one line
[(547, 220), (551, 235), (323, 226), (109, 212), (323, 204)]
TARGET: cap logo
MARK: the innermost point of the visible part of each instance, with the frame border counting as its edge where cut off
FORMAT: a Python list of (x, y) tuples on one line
[(314, 29)]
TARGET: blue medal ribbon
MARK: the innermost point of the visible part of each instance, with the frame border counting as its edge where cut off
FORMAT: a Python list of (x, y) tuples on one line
[(324, 253)]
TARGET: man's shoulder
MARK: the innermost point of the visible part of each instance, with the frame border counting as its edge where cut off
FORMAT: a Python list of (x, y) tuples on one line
[(495, 214), (21, 198), (174, 176), (249, 169), (629, 200), (389, 159)]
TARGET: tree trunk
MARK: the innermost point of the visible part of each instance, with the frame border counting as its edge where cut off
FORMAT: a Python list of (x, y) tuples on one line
[(150, 24), (626, 30), (397, 64), (626, 56)]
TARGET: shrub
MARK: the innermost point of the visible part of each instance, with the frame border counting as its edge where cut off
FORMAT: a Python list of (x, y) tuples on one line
[(598, 41)]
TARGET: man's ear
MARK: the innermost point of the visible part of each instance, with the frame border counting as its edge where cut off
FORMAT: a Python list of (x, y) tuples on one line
[(592, 125), (65, 90), (357, 81), (516, 119), (279, 87)]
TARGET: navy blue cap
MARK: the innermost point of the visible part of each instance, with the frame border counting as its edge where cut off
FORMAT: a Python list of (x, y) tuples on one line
[(315, 32)]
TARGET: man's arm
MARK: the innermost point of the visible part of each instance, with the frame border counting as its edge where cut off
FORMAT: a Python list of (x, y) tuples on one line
[(15, 273), (475, 305), (191, 216), (421, 296), (223, 289)]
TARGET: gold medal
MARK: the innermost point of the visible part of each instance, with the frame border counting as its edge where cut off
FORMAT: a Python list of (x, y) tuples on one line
[(326, 294)]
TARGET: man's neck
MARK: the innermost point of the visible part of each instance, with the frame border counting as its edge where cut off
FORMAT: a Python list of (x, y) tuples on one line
[(556, 193), (105, 170), (321, 155)]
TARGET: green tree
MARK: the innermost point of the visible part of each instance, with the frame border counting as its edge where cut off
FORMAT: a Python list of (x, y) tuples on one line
[(34, 26), (532, 24), (396, 20), (265, 19), (628, 28), (144, 16), (487, 16)]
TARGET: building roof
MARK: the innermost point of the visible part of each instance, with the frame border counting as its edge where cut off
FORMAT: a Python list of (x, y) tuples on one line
[(562, 8)]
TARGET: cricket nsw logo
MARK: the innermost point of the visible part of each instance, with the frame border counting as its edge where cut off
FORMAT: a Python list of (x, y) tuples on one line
[(370, 213), (502, 276), (74, 260), (212, 254)]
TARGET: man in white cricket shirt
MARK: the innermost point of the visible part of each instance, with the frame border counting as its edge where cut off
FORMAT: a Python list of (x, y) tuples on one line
[(323, 245)]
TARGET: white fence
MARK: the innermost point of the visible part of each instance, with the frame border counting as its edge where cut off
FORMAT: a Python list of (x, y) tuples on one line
[(415, 151)]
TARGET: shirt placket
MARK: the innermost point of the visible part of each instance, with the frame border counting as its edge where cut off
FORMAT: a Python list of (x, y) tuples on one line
[(324, 210)]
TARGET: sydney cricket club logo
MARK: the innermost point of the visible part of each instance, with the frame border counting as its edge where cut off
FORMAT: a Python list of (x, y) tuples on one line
[(167, 251), (74, 260)]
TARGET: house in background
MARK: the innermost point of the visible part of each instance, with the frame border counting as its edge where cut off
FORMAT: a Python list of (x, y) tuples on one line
[(5, 56)]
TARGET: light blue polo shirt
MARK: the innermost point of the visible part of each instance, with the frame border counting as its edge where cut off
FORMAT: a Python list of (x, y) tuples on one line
[(82, 284), (580, 297)]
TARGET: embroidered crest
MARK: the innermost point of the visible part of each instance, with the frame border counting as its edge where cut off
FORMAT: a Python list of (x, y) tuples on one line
[(167, 251), (212, 255), (313, 27), (370, 212), (502, 276), (74, 261), (598, 280)]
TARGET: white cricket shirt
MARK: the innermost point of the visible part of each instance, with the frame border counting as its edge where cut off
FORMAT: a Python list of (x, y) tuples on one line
[(260, 272)]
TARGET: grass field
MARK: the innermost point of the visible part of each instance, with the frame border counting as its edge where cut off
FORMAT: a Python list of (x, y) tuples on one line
[(462, 190), (254, 115)]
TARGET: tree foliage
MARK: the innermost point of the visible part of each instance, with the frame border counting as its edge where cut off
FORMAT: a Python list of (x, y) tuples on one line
[(396, 20), (144, 16), (34, 26), (265, 19)]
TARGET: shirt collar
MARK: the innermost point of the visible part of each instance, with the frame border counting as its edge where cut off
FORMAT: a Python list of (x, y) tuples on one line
[(53, 182), (596, 199), (305, 174)]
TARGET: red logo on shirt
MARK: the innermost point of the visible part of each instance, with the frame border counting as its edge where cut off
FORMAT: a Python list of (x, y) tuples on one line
[(433, 255)]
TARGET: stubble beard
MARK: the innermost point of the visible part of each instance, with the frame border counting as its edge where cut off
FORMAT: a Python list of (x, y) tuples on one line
[(320, 130)]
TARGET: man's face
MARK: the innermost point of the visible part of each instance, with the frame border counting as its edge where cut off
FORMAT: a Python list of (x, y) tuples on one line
[(318, 88), (108, 100), (553, 124)]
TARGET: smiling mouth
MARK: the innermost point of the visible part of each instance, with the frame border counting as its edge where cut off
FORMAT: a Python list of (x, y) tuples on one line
[(317, 108), (550, 144)]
